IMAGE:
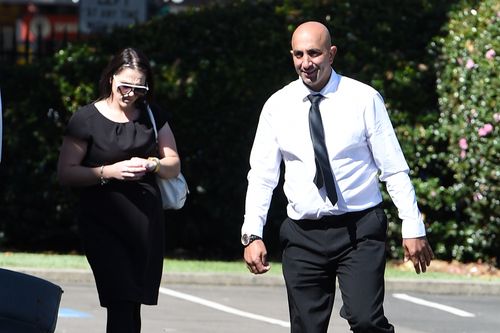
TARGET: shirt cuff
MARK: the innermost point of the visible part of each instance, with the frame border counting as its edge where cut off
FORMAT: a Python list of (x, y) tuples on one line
[(253, 227), (413, 229)]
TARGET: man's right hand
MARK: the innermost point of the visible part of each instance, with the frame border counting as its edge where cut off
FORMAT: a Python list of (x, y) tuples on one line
[(255, 256)]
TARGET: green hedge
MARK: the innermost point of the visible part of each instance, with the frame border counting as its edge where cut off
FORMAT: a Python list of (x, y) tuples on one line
[(214, 69), (34, 210), (468, 85)]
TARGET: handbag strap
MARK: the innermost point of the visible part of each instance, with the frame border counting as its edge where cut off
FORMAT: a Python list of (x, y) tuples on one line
[(152, 118)]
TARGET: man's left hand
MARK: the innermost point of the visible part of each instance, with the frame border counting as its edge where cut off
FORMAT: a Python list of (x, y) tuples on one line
[(419, 252)]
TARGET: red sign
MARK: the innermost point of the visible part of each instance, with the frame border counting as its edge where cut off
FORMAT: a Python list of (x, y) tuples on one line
[(50, 27)]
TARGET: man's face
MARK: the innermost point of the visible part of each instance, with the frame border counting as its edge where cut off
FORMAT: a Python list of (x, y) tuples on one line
[(312, 58)]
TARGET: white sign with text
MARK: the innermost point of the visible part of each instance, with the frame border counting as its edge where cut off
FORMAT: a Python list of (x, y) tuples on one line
[(97, 16)]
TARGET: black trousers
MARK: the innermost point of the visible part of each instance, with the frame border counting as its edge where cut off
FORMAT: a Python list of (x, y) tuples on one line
[(349, 247), (124, 317)]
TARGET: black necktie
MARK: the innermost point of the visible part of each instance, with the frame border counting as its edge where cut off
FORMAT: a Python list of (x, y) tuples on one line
[(323, 169)]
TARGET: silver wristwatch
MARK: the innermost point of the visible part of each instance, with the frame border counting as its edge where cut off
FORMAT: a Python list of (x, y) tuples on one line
[(247, 239)]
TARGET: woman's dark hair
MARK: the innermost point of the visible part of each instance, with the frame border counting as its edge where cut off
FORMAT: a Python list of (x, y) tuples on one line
[(127, 58)]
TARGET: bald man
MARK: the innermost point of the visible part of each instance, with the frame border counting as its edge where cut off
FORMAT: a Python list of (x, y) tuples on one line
[(335, 137)]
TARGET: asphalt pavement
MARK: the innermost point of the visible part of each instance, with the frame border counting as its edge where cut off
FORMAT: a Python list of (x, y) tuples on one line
[(223, 303), (190, 308)]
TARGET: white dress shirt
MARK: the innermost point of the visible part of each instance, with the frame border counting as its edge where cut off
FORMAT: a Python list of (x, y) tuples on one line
[(362, 148)]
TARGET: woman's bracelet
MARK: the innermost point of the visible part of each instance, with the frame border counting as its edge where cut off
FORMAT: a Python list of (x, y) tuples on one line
[(104, 181), (157, 161)]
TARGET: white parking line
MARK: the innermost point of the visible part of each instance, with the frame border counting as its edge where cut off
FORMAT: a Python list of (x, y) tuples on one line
[(223, 308), (452, 310)]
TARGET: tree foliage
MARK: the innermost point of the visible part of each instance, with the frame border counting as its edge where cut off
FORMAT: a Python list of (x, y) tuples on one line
[(468, 85), (214, 68)]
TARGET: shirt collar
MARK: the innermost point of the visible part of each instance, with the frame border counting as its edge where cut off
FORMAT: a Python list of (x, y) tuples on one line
[(328, 89)]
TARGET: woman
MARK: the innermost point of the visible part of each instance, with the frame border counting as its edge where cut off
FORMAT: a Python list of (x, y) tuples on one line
[(110, 151)]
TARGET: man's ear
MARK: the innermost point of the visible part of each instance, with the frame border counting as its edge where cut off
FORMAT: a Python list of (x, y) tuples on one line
[(333, 52)]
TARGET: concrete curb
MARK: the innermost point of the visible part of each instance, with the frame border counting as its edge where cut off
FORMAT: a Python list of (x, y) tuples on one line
[(449, 287), (68, 276)]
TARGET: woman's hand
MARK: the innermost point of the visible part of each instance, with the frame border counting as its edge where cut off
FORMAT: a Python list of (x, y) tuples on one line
[(150, 164), (132, 169)]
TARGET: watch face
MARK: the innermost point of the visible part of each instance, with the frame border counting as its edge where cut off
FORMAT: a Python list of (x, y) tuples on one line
[(245, 240)]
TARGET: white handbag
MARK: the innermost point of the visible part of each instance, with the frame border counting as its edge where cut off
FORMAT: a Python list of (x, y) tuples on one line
[(173, 191)]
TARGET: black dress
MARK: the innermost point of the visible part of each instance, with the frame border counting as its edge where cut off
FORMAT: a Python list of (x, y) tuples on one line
[(121, 223)]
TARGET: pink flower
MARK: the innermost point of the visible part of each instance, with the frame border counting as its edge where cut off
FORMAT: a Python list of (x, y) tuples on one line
[(490, 54), (463, 153), (496, 117), (485, 130), (462, 143), (477, 196), (470, 64)]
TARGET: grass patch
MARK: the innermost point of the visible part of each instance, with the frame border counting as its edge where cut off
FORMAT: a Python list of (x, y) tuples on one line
[(73, 261), (44, 260), (436, 271), (200, 266)]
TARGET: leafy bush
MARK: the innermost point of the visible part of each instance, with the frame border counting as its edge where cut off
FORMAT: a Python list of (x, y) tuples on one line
[(214, 69), (468, 85), (34, 211)]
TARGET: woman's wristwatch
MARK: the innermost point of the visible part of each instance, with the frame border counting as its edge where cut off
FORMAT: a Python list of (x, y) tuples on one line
[(157, 161)]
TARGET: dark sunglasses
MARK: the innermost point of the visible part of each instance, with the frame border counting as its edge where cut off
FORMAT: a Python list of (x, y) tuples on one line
[(126, 88)]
